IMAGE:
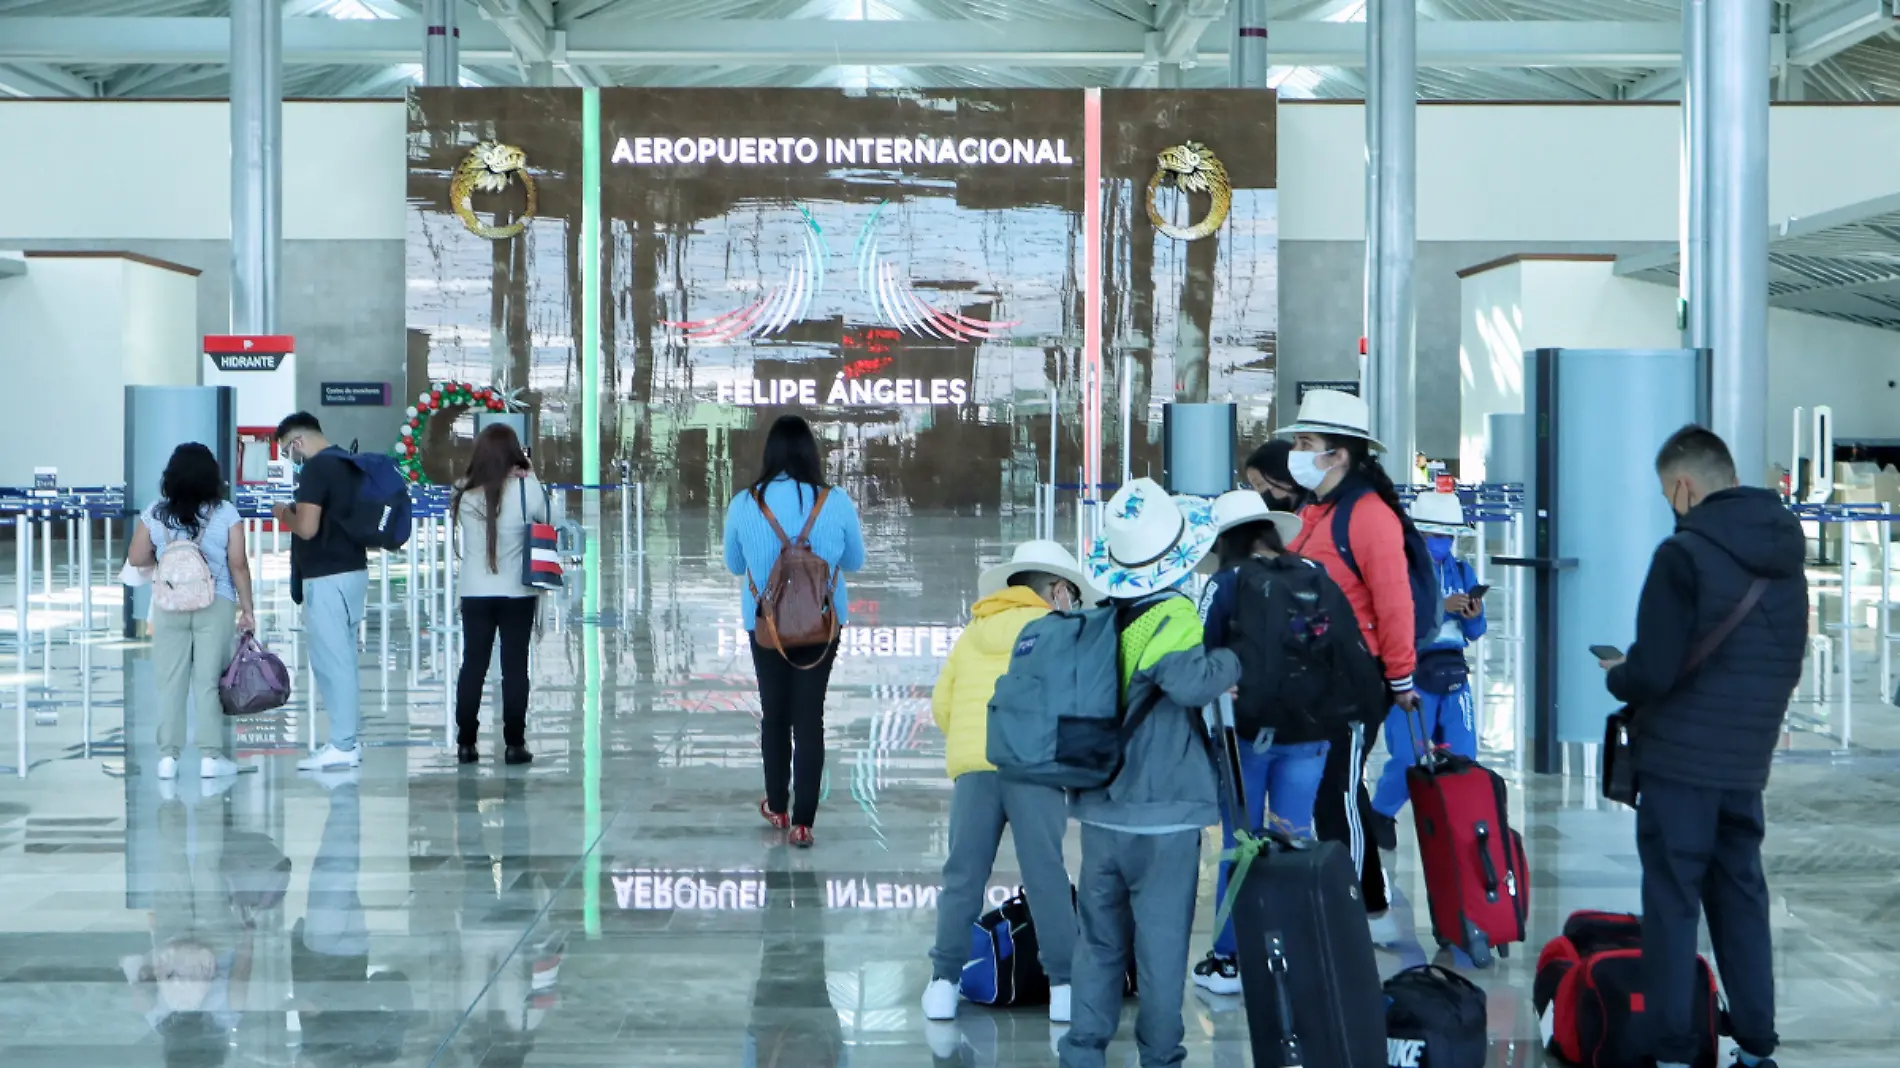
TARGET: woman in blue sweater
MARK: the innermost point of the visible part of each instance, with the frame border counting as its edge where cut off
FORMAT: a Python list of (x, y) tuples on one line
[(792, 681)]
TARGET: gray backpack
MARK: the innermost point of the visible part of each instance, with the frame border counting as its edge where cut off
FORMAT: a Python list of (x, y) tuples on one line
[(1056, 718)]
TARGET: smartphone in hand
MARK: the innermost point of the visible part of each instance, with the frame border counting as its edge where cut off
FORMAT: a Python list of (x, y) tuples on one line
[(1477, 593), (1606, 652)]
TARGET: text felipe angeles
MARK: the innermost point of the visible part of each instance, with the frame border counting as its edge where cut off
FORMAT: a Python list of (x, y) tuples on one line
[(882, 151)]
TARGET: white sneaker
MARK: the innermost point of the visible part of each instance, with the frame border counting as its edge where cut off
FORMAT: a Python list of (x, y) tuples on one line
[(330, 758), (1059, 1004), (216, 767), (1385, 929), (167, 767), (940, 1000)]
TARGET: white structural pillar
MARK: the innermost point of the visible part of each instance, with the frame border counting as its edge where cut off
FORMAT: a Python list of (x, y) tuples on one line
[(442, 48), (1736, 198), (1391, 225), (1247, 63), (1693, 286), (257, 230)]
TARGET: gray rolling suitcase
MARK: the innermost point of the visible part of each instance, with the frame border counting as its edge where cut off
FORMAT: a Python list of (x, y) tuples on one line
[(1313, 994)]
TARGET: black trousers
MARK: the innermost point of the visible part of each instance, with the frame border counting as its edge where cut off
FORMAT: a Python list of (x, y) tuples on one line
[(1701, 851), (792, 730), (1343, 807), (482, 617)]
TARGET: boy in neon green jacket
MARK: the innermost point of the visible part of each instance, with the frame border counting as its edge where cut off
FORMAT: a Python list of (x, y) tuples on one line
[(1040, 575)]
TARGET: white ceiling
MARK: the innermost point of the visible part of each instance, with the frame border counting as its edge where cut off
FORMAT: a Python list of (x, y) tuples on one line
[(1862, 64)]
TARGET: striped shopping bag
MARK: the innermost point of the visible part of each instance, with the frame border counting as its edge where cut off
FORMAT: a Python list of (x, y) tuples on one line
[(540, 550)]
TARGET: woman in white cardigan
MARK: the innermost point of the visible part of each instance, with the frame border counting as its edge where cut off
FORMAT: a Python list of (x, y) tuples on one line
[(494, 503)]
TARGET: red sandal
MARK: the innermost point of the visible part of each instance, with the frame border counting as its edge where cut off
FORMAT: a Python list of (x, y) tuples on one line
[(801, 837), (778, 820)]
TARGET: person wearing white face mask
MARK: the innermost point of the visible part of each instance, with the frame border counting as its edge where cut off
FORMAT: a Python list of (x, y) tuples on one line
[(1333, 459)]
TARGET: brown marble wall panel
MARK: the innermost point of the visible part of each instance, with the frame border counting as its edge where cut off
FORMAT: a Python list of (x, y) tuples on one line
[(497, 312), (921, 311)]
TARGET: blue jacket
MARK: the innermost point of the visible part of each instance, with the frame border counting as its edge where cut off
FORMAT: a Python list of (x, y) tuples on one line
[(1456, 576), (752, 547)]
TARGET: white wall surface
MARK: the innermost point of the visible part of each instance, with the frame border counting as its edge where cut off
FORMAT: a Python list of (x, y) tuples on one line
[(162, 170), (1580, 304), (66, 338), (1533, 173)]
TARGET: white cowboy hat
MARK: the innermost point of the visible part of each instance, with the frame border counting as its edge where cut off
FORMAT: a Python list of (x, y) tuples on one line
[(1330, 411), (1439, 513), (1046, 557), (1237, 507), (1149, 541)]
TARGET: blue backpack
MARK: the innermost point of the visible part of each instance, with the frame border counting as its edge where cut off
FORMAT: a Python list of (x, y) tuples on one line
[(1056, 717), (1004, 968), (381, 517), (1419, 568)]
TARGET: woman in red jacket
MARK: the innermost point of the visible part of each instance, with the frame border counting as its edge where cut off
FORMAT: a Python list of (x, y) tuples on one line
[(1333, 458)]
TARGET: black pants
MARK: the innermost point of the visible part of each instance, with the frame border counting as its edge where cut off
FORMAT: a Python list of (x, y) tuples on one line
[(1701, 851), (1341, 811), (792, 731), (481, 618)]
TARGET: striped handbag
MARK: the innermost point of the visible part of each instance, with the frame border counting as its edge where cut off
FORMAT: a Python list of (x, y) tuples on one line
[(540, 550)]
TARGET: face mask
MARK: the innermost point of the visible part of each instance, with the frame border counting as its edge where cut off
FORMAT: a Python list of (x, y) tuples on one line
[(1279, 503), (1305, 469), (1440, 547)]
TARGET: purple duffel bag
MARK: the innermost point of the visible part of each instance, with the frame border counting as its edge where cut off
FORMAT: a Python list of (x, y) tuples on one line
[(256, 681)]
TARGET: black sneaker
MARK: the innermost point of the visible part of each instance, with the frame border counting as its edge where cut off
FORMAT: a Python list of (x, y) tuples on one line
[(1765, 1062), (1217, 974), (1385, 830)]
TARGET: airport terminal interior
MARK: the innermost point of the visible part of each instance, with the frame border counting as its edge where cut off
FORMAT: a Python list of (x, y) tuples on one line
[(1006, 258)]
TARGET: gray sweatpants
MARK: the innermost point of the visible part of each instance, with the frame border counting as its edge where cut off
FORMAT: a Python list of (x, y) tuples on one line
[(980, 805), (1124, 876)]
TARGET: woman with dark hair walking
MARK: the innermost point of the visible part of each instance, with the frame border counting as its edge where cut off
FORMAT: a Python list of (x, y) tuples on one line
[(191, 648), (494, 503), (1332, 458), (790, 503)]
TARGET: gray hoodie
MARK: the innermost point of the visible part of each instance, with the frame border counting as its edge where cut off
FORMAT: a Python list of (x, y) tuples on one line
[(1167, 782)]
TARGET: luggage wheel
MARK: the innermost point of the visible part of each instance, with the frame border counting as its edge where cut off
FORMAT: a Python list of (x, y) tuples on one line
[(1478, 947)]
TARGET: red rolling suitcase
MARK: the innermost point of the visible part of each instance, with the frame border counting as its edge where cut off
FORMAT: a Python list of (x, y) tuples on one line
[(1476, 875)]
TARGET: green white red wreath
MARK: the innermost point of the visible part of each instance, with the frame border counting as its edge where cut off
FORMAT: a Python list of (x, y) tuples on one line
[(450, 397)]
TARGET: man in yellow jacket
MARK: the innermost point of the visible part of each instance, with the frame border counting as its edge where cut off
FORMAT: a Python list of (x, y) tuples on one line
[(1040, 576)]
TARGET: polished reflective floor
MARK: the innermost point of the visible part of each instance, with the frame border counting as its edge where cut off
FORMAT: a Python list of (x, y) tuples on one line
[(619, 902)]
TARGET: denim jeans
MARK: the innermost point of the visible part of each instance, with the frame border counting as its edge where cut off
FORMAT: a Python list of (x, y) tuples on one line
[(1285, 779), (332, 611)]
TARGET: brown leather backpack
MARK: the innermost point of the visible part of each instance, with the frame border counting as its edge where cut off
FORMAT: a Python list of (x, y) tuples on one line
[(796, 609)]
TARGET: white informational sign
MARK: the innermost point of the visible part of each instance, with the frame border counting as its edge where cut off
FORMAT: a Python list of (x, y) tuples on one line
[(263, 370), (46, 482)]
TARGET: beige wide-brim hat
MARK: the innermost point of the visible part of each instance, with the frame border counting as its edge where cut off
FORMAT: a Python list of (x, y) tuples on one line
[(1149, 541), (1331, 411), (1046, 557), (1439, 513), (1239, 507)]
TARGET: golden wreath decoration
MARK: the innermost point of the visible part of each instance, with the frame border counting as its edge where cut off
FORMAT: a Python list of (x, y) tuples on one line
[(1191, 168), (491, 167)]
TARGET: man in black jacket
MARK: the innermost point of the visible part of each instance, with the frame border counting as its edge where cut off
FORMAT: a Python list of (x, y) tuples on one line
[(1720, 633)]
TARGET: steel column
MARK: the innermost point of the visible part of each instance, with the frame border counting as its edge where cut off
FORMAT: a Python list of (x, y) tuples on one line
[(257, 232), (1737, 266), (442, 44), (1391, 231), (1247, 64), (1693, 289)]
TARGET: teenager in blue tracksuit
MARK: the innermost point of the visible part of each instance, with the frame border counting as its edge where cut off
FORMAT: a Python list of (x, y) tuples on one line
[(1446, 704)]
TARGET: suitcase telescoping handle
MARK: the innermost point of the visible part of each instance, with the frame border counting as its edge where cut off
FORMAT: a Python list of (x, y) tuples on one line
[(1249, 841)]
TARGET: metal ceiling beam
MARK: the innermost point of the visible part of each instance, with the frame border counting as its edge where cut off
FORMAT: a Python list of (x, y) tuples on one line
[(1821, 31), (748, 42), (40, 80)]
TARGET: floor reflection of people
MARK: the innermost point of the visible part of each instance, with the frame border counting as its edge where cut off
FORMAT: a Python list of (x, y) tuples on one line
[(191, 985), (793, 1022), (507, 981), (347, 1015)]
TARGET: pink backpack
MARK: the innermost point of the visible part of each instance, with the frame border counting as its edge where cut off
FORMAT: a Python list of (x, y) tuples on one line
[(182, 581)]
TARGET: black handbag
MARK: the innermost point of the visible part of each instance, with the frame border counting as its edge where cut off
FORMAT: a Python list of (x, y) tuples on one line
[(1616, 773), (1434, 1018)]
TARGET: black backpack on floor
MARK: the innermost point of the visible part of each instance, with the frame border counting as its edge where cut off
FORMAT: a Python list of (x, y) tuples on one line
[(1434, 1018), (1304, 666)]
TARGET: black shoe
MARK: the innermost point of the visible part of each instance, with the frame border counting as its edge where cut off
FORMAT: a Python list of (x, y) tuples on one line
[(1385, 830), (1217, 974), (466, 754), (1765, 1062), (518, 754)]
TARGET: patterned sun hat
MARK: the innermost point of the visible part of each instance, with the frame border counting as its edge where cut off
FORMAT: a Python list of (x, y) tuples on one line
[(1149, 541)]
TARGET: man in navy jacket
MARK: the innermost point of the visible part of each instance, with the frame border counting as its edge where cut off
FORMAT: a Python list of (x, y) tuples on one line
[(1708, 710)]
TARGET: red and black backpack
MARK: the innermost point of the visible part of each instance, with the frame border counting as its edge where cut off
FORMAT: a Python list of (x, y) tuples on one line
[(1589, 994)]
